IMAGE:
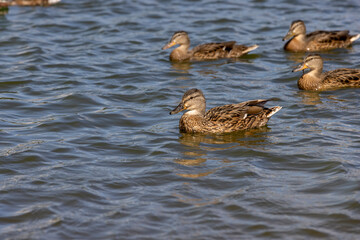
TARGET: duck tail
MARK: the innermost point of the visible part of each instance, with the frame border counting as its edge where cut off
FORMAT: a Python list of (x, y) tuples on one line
[(354, 37), (54, 1), (251, 48), (273, 110)]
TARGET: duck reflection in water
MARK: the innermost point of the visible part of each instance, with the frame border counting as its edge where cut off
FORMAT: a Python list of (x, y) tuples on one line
[(209, 67), (196, 163), (247, 138), (198, 145), (181, 67), (310, 98)]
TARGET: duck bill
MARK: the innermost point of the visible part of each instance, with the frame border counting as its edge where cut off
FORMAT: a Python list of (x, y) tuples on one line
[(300, 67), (169, 45), (179, 108), (288, 36)]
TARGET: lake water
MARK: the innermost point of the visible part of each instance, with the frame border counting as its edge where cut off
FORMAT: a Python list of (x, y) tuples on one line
[(88, 149)]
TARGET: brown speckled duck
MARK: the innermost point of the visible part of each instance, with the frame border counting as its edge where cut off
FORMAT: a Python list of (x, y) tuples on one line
[(316, 41), (315, 79), (222, 119), (208, 51)]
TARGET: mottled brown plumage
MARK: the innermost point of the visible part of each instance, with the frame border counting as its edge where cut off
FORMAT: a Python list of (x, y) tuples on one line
[(316, 41), (222, 119), (208, 51), (315, 79)]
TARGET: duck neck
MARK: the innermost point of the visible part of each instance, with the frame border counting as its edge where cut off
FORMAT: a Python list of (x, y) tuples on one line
[(181, 53), (310, 80), (196, 112), (191, 121), (301, 36), (301, 40), (297, 43)]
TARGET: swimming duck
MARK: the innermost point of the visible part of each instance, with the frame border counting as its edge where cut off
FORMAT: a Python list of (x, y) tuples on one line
[(222, 119), (208, 51), (316, 41), (31, 2), (315, 79)]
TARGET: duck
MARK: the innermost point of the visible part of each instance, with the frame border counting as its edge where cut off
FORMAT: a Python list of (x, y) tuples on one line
[(222, 119), (316, 41), (31, 2), (317, 80), (208, 51)]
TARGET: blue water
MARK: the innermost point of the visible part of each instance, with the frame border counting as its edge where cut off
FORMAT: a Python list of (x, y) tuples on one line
[(88, 149)]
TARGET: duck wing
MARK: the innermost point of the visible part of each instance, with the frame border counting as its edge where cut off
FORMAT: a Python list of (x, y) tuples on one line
[(235, 112), (212, 50), (342, 77), (329, 39)]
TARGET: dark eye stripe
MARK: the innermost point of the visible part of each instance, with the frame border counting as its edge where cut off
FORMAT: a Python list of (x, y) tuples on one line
[(296, 25), (308, 59), (192, 97), (179, 34)]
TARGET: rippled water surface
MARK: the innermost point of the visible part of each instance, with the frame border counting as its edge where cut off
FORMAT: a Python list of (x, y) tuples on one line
[(88, 149)]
